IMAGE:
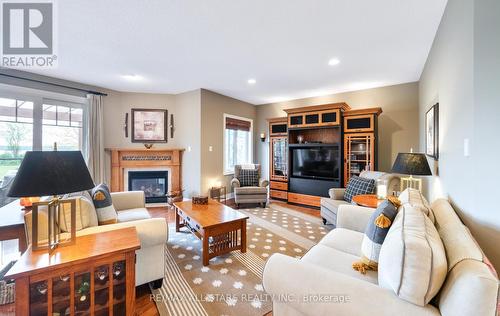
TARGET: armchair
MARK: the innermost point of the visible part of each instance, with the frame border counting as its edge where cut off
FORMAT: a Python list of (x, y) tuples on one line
[(329, 206), (249, 194)]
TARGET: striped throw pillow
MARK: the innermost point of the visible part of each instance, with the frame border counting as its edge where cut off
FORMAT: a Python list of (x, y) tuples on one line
[(375, 233)]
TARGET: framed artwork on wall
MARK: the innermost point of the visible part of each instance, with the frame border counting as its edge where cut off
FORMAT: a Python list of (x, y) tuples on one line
[(432, 132), (149, 126)]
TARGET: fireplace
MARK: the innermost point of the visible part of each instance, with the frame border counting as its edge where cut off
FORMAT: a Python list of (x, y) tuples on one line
[(153, 183)]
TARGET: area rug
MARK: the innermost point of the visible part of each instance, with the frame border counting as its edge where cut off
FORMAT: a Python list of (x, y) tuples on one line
[(232, 283)]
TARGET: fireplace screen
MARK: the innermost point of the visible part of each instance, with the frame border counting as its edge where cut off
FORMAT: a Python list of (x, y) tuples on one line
[(153, 183)]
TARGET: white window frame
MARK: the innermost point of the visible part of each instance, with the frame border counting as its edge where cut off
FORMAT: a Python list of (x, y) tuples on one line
[(227, 172), (39, 97)]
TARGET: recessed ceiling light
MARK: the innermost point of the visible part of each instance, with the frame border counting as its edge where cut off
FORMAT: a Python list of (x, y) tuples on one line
[(252, 81), (132, 77), (333, 62)]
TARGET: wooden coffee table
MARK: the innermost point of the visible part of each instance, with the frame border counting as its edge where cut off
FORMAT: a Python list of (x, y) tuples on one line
[(367, 200), (221, 228)]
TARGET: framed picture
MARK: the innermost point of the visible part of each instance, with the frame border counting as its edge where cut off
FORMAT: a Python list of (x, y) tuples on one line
[(432, 132), (149, 126)]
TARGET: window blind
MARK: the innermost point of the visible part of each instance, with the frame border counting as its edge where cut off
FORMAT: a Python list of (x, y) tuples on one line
[(235, 124)]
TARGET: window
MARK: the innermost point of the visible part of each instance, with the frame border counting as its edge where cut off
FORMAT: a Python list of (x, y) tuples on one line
[(238, 140), (34, 123), (62, 124)]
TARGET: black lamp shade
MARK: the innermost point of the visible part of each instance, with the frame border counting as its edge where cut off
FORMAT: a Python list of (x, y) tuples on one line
[(412, 164), (44, 173)]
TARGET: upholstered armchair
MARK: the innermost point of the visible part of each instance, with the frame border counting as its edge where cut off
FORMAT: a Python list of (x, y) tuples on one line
[(329, 206), (248, 186)]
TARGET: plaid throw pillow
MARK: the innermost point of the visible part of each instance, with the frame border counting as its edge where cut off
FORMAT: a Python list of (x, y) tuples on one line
[(249, 178), (357, 186)]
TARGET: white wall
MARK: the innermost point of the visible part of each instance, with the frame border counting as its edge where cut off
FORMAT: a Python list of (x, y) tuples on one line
[(462, 74)]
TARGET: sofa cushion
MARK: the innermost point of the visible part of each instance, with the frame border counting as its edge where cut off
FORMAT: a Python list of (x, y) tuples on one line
[(338, 261), (85, 214), (375, 233), (106, 212), (412, 259), (134, 214), (250, 190), (345, 240), (249, 177), (357, 186), (415, 198)]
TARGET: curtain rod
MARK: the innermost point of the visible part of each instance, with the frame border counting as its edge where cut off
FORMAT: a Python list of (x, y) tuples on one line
[(54, 84)]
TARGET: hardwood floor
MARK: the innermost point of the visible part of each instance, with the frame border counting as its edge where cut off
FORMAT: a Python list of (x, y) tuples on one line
[(143, 303)]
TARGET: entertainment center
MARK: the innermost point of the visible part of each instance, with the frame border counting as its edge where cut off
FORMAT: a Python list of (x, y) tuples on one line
[(316, 148)]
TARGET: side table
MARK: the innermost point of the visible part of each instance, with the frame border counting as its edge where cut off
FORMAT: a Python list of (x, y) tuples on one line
[(367, 200), (94, 276), (12, 224)]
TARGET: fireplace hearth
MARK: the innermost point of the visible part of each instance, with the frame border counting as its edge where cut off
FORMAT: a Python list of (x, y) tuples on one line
[(153, 183)]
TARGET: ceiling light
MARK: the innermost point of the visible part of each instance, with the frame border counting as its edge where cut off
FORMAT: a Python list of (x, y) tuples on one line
[(132, 77), (252, 81), (333, 62)]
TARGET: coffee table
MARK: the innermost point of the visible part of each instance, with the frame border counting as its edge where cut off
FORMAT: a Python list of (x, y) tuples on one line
[(221, 228), (367, 200)]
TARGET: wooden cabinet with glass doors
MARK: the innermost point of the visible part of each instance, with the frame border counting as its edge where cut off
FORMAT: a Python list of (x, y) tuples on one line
[(360, 141), (92, 277), (278, 158)]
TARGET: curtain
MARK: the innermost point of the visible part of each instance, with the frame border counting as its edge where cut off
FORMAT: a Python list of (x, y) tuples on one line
[(95, 138)]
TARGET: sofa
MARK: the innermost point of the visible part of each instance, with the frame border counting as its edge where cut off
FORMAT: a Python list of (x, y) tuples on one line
[(131, 210), (467, 286), (249, 194), (329, 206)]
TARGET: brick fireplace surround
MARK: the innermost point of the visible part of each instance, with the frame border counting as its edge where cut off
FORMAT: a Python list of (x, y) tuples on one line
[(137, 158)]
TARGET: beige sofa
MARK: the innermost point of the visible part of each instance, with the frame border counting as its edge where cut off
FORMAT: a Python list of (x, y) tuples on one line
[(469, 288), (329, 206), (130, 206)]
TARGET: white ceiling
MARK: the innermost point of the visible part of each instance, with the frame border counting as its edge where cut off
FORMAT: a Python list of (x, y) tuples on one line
[(285, 45)]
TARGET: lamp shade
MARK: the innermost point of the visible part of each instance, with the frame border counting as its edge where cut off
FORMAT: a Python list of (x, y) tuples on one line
[(412, 164), (45, 173)]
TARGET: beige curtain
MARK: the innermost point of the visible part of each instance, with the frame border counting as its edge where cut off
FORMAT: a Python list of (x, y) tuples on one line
[(95, 139)]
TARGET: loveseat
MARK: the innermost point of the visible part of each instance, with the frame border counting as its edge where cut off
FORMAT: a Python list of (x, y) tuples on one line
[(131, 210), (323, 282)]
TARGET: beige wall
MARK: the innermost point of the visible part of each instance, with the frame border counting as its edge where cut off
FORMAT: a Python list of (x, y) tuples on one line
[(398, 124), (462, 74), (116, 104), (188, 136), (213, 107)]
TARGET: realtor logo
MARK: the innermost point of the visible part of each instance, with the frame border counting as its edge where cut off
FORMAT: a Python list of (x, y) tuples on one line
[(28, 31)]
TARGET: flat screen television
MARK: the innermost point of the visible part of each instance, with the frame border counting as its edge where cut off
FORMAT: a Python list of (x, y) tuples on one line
[(316, 162)]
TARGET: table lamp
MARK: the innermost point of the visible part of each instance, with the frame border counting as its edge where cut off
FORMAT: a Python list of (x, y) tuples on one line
[(412, 164), (51, 173)]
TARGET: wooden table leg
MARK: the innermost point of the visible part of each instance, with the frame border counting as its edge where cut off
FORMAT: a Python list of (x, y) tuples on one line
[(244, 235), (177, 219), (23, 245), (205, 248)]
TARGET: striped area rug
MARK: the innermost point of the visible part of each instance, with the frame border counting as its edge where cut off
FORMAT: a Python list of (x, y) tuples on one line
[(232, 283)]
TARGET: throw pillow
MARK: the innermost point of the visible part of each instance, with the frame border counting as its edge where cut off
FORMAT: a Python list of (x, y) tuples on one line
[(376, 230), (357, 186), (412, 260), (414, 197), (106, 213), (85, 214), (249, 178)]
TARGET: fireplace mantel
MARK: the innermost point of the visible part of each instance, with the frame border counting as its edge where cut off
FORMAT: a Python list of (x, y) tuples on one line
[(123, 158)]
